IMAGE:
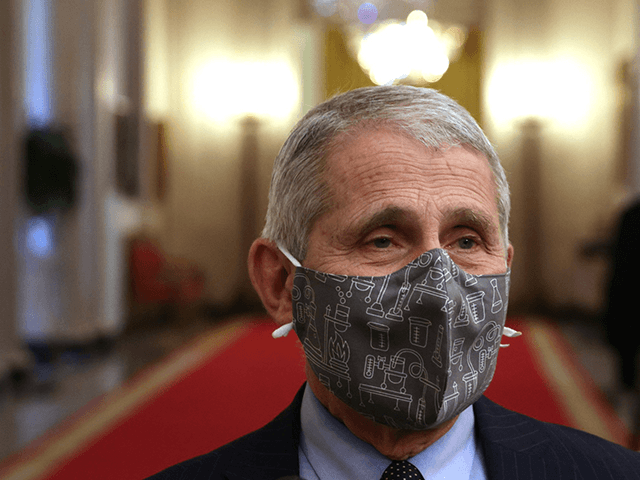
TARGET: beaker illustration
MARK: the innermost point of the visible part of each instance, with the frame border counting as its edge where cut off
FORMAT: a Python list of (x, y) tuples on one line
[(418, 331), (496, 303), (379, 336), (476, 306)]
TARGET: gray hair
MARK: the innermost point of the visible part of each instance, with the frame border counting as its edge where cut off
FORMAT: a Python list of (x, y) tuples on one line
[(299, 193)]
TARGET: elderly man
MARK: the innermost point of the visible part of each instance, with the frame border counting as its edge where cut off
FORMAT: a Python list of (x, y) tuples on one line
[(386, 250)]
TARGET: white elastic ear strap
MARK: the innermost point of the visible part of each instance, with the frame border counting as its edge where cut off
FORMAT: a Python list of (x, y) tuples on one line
[(511, 333), (284, 330), (286, 253)]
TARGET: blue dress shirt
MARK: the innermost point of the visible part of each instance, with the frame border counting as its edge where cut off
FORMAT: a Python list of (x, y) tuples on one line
[(329, 451)]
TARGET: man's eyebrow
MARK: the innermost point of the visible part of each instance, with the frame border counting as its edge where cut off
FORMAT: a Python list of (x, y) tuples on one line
[(473, 218), (390, 215)]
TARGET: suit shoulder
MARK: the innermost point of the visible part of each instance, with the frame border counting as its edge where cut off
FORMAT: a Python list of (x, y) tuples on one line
[(589, 444), (589, 453), (559, 451)]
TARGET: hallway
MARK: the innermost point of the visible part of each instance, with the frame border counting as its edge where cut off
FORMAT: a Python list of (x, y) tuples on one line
[(67, 385), (57, 389)]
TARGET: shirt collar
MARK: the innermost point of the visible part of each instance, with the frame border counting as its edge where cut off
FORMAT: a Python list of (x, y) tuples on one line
[(332, 451)]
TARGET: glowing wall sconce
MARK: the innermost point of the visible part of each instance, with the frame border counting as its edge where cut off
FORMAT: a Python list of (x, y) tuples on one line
[(559, 90), (247, 95), (224, 89)]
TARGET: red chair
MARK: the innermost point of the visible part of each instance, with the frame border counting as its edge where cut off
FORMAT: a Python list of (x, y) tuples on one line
[(159, 281)]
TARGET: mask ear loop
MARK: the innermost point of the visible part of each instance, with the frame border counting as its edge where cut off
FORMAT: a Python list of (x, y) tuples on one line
[(284, 330), (511, 333), (286, 253)]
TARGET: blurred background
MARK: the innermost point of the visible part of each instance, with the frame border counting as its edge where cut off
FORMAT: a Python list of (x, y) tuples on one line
[(138, 137)]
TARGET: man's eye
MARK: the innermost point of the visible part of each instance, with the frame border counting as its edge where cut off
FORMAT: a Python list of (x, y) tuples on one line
[(466, 243), (382, 242)]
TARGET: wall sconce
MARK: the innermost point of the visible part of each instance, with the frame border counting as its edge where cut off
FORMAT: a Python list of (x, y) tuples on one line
[(247, 95), (559, 91), (225, 90)]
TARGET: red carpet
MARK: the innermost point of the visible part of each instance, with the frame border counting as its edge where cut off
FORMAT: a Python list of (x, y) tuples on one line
[(520, 385), (245, 384), (240, 389)]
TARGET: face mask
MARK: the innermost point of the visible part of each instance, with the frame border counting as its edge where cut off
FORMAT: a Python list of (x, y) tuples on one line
[(411, 349)]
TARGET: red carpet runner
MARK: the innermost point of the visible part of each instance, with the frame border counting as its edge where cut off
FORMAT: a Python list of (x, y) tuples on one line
[(239, 378)]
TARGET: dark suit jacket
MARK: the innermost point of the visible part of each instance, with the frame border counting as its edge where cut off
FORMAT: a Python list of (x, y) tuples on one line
[(516, 447)]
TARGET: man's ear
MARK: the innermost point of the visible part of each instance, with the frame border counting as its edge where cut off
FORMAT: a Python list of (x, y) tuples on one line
[(509, 255), (272, 277)]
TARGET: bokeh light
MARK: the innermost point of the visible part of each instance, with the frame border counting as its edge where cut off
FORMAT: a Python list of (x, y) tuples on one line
[(367, 13), (224, 89), (547, 90), (40, 237), (396, 50), (326, 8)]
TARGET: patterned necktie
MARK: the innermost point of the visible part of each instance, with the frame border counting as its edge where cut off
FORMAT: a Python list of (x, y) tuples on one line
[(401, 471)]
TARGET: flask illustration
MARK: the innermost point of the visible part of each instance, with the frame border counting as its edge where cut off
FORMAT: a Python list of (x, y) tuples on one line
[(496, 303)]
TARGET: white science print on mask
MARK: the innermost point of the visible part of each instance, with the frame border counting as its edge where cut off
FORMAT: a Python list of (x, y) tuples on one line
[(411, 349)]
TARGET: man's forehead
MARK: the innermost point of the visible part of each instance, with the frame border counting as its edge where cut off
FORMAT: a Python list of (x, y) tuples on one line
[(369, 163), (370, 138), (344, 157)]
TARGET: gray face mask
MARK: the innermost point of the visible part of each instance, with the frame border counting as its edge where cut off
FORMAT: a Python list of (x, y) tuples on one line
[(411, 349)]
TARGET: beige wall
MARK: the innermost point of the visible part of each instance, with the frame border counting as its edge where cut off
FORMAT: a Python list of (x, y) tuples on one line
[(196, 43), (579, 154)]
